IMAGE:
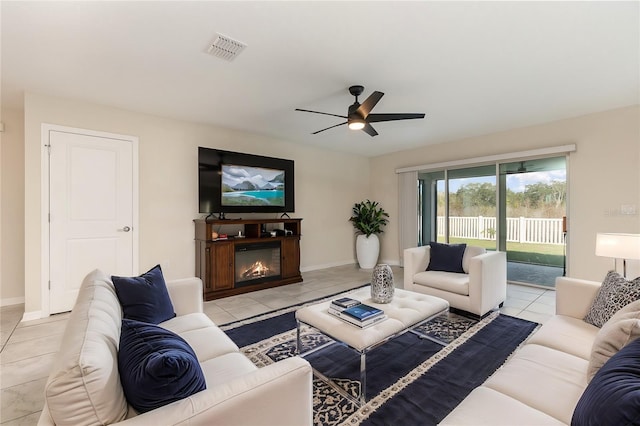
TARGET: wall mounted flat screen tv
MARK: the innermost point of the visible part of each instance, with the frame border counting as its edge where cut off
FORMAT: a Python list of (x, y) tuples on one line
[(234, 182)]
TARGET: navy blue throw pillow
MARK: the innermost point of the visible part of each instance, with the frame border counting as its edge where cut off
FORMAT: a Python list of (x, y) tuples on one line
[(446, 257), (613, 395), (145, 298), (156, 366)]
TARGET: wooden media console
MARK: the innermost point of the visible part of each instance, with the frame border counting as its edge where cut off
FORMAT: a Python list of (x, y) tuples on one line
[(254, 260)]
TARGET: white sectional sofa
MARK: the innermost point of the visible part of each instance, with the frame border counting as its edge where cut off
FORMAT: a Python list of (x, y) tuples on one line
[(543, 381), (84, 386), (481, 288)]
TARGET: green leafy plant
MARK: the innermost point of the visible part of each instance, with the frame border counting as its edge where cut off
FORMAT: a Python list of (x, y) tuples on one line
[(368, 218)]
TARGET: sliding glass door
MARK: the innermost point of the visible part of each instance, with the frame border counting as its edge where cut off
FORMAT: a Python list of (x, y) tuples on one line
[(517, 207), (534, 219)]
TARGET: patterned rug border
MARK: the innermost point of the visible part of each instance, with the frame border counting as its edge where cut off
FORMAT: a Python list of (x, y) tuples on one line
[(276, 312)]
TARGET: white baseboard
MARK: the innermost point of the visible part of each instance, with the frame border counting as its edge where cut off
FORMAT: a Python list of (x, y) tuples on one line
[(12, 301), (33, 315), (343, 263), (327, 265)]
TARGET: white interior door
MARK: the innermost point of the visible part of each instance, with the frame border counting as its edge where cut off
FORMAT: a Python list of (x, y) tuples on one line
[(91, 190)]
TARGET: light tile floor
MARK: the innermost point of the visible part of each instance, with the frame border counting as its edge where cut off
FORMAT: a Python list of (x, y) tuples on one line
[(28, 348)]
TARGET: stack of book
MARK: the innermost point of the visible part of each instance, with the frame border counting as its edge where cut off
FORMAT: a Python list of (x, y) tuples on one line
[(356, 313)]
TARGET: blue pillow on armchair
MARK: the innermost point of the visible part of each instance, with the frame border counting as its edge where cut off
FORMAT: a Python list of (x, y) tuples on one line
[(144, 298), (613, 395), (156, 366), (446, 257)]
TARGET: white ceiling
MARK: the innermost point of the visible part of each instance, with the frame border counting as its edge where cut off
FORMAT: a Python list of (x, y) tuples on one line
[(473, 67)]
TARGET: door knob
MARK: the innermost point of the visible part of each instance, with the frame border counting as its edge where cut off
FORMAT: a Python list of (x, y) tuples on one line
[(125, 229)]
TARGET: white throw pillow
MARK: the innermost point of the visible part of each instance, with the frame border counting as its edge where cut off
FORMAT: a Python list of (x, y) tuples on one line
[(622, 328)]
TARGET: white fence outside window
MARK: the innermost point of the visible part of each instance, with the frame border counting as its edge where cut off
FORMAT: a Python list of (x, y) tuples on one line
[(519, 229)]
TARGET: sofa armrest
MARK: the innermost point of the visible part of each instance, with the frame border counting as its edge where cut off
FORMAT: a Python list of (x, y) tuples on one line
[(278, 394), (45, 417), (416, 259), (488, 280), (186, 295), (575, 296)]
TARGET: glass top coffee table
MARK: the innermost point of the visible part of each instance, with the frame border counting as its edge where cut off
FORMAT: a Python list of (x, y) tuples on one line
[(406, 311)]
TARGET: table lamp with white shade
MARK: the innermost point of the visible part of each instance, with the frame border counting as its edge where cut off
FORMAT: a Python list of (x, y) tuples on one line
[(618, 246)]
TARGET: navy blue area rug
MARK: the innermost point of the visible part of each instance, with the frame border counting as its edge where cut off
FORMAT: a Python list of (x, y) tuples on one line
[(411, 380)]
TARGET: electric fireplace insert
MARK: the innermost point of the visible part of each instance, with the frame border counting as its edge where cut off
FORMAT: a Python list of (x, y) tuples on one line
[(257, 263)]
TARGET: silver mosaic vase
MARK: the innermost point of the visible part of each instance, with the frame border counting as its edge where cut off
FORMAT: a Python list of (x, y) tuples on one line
[(382, 284)]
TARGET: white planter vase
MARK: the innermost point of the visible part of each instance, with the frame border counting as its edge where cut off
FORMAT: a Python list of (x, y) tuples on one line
[(367, 250)]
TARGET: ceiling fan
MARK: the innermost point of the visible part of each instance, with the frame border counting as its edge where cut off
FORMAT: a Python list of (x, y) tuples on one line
[(359, 115), (524, 168)]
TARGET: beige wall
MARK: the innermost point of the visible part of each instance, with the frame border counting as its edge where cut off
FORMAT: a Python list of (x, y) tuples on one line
[(12, 202), (327, 185), (603, 174)]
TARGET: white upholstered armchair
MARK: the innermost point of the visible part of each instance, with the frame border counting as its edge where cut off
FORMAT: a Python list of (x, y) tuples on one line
[(480, 288)]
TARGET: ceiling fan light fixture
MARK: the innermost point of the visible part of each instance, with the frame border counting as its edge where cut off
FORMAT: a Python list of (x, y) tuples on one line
[(359, 115), (356, 124)]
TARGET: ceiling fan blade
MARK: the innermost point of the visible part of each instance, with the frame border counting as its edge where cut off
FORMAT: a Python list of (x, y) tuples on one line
[(368, 128), (341, 124), (323, 113), (365, 108), (376, 118)]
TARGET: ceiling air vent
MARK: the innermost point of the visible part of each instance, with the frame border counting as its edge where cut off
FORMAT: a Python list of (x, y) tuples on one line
[(225, 47)]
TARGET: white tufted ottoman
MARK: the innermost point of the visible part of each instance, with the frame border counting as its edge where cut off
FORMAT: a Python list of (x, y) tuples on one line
[(406, 310)]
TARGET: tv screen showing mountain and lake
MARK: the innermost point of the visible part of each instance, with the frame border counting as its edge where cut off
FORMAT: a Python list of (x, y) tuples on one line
[(252, 186), (236, 182)]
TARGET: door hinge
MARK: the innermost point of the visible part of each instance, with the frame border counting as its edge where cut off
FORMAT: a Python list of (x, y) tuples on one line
[(48, 149), (49, 217), (49, 285)]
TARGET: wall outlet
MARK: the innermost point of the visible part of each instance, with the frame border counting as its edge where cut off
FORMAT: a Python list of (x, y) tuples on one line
[(624, 210), (628, 209)]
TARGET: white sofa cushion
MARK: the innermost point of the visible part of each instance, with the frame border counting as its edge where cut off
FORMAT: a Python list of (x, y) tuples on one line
[(204, 337), (187, 322), (447, 281), (485, 406), (543, 378), (622, 328), (566, 334), (207, 342), (469, 252), (84, 384), (226, 368)]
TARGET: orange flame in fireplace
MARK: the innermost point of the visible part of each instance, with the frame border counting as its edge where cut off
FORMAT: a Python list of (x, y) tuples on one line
[(258, 269)]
